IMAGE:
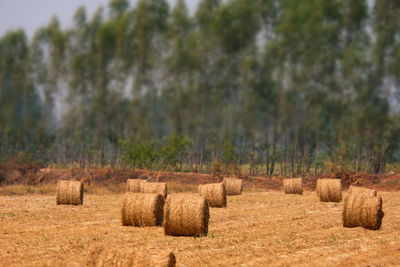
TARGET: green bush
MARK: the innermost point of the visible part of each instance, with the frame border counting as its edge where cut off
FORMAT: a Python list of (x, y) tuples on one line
[(141, 155), (174, 152)]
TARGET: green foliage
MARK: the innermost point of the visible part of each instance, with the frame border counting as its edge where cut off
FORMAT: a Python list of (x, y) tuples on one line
[(142, 155), (228, 152), (174, 151), (306, 85)]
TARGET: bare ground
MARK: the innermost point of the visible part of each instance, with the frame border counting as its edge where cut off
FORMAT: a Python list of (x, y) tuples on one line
[(256, 229), (36, 176)]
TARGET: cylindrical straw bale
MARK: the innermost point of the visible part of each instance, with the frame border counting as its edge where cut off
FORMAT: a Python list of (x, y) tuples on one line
[(186, 215), (214, 193), (233, 186), (362, 209), (154, 188), (293, 186), (133, 185), (329, 190), (361, 191), (101, 257), (69, 192), (142, 209)]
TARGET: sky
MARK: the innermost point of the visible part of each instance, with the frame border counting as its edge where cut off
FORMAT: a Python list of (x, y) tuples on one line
[(33, 14)]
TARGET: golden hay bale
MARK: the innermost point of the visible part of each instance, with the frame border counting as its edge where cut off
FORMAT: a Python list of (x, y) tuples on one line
[(233, 186), (101, 257), (142, 209), (214, 193), (293, 186), (362, 191), (154, 188), (329, 190), (362, 208), (133, 185), (69, 192), (186, 216)]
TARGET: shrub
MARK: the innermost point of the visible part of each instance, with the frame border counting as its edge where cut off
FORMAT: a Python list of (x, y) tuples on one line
[(175, 151), (138, 154)]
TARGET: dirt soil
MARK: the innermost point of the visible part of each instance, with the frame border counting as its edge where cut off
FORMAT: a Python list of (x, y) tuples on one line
[(33, 175), (256, 229)]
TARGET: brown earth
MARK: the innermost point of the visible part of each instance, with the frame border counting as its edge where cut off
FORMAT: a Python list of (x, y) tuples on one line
[(36, 175)]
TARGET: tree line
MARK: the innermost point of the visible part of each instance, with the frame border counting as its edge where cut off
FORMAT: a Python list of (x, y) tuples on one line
[(279, 86)]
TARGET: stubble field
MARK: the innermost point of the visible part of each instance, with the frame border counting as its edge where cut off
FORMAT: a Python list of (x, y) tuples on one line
[(256, 229)]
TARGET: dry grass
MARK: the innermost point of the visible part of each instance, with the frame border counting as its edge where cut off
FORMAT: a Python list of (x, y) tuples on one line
[(174, 187), (20, 190), (248, 232), (50, 189), (103, 257)]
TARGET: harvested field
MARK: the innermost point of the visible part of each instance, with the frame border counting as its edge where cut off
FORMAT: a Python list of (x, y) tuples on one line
[(256, 229)]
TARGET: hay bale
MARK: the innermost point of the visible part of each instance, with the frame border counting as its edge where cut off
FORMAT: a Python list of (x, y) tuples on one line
[(101, 257), (133, 185), (293, 186), (329, 190), (154, 188), (214, 193), (362, 208), (186, 216), (362, 191), (233, 186), (142, 209), (69, 192)]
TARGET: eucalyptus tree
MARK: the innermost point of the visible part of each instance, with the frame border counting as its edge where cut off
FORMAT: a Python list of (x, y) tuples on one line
[(20, 105), (149, 46)]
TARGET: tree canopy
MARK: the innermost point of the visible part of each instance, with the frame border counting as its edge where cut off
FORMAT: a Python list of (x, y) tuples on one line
[(284, 86)]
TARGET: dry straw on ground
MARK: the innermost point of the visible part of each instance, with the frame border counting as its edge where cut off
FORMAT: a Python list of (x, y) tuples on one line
[(362, 208), (233, 186), (293, 186), (214, 193), (69, 192), (186, 215), (154, 188), (101, 257), (133, 185), (329, 190), (142, 209)]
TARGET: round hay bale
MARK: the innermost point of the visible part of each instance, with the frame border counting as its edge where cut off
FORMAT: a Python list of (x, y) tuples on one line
[(293, 186), (214, 193), (142, 209), (101, 257), (362, 191), (69, 192), (329, 190), (133, 185), (186, 216), (362, 209), (154, 188), (233, 186)]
